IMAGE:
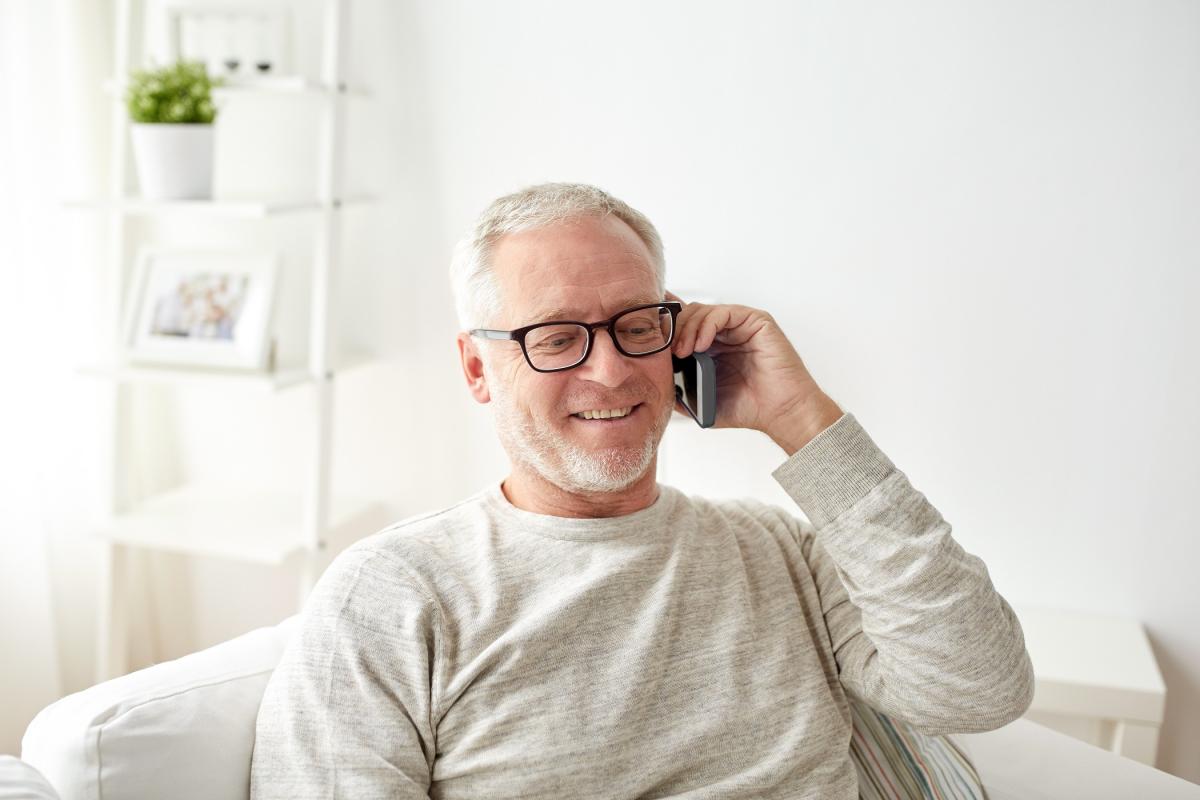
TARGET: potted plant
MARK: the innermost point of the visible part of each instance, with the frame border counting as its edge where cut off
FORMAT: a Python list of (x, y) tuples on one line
[(172, 112)]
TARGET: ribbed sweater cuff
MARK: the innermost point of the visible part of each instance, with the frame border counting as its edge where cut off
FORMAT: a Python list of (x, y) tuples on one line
[(835, 470)]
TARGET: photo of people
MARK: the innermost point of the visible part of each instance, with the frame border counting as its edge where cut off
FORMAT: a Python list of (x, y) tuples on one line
[(201, 306)]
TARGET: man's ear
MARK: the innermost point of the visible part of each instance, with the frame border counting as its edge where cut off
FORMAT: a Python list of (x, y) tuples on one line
[(472, 366)]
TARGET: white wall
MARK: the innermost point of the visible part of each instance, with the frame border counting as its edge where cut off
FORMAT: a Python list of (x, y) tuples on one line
[(976, 221)]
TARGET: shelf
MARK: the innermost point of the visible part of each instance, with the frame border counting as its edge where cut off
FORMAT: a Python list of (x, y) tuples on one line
[(261, 527), (247, 209), (217, 519), (283, 86), (278, 379), (215, 208)]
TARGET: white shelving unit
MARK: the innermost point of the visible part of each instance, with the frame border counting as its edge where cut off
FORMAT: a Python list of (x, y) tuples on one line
[(225, 521)]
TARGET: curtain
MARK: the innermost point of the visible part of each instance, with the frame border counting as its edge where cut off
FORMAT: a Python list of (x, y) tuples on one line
[(53, 141)]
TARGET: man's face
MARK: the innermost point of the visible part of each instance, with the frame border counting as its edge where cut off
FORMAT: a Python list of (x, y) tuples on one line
[(586, 270)]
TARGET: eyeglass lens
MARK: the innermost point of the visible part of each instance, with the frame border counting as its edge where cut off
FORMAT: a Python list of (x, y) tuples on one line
[(640, 331)]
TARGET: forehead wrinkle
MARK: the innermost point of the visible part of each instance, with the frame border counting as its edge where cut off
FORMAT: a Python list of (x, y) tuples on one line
[(536, 268), (536, 275), (610, 244)]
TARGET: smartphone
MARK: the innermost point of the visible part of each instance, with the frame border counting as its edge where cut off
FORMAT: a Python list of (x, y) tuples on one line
[(696, 386)]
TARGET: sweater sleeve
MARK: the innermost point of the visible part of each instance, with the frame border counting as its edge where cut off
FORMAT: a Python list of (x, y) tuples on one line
[(917, 629), (347, 712)]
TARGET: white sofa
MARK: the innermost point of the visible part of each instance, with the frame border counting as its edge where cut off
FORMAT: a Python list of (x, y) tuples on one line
[(185, 729)]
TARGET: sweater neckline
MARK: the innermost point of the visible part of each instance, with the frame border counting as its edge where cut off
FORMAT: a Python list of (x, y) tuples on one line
[(648, 521)]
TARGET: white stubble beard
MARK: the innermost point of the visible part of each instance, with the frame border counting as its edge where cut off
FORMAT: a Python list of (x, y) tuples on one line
[(564, 463)]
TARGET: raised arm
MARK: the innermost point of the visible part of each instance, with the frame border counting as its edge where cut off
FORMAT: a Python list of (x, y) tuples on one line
[(918, 630)]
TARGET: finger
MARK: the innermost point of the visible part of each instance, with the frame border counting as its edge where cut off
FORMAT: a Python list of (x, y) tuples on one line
[(702, 326), (673, 296), (708, 325), (684, 324), (712, 324), (744, 324)]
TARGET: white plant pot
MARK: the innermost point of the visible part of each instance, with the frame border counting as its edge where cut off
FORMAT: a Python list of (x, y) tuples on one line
[(174, 161)]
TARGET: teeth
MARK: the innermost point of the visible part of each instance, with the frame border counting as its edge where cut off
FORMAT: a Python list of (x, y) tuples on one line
[(606, 414)]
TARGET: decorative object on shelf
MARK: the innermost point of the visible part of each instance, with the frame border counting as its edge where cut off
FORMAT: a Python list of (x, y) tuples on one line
[(202, 308), (172, 112), (244, 41)]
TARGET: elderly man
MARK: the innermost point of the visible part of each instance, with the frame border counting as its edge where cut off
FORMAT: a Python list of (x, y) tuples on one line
[(579, 630)]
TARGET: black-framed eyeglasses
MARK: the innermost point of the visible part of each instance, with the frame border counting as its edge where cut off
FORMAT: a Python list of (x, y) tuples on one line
[(554, 346)]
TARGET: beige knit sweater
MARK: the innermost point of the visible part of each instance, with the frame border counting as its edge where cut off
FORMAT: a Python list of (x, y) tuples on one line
[(693, 649)]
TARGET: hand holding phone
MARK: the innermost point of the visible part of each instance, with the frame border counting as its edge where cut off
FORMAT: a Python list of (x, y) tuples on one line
[(696, 386), (765, 385)]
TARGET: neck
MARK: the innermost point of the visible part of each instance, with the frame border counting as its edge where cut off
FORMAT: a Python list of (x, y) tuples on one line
[(531, 492)]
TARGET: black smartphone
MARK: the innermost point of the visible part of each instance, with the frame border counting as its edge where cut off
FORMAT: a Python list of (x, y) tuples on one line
[(696, 386)]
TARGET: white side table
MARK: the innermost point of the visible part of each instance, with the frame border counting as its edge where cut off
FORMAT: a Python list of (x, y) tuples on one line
[(1096, 679)]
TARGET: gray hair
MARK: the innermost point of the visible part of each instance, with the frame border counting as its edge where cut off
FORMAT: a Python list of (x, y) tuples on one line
[(476, 292)]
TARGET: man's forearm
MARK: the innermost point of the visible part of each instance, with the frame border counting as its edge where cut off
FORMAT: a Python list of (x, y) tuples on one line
[(801, 424)]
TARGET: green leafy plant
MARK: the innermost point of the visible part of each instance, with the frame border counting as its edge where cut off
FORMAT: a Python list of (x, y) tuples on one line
[(178, 93)]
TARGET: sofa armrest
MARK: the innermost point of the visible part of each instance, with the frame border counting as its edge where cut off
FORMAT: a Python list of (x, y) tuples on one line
[(20, 781), (182, 729), (1027, 761)]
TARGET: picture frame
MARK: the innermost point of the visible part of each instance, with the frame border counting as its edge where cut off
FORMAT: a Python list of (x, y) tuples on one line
[(202, 308)]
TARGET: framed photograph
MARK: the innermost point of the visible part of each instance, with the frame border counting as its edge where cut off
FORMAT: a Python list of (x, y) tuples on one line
[(210, 308)]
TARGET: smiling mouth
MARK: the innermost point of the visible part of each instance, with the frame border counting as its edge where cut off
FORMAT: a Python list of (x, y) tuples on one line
[(610, 421)]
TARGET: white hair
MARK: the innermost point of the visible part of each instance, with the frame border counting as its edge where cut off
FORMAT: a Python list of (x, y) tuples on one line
[(476, 292)]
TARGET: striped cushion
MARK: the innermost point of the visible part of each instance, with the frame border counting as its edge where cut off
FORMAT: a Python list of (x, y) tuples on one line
[(895, 762)]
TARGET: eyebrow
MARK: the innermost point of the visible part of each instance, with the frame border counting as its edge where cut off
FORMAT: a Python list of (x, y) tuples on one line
[(571, 313)]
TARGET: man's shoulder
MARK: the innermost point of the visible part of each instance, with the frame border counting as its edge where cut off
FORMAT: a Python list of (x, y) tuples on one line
[(749, 517), (743, 507), (439, 530), (413, 550), (462, 515)]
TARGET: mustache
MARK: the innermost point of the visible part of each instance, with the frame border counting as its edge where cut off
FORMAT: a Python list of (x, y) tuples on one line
[(612, 401)]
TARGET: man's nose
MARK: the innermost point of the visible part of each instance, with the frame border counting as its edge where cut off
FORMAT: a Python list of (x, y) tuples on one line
[(606, 364)]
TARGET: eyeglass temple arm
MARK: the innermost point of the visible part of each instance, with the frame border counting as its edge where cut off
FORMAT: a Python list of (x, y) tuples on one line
[(489, 334)]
